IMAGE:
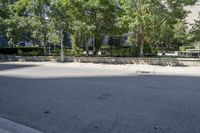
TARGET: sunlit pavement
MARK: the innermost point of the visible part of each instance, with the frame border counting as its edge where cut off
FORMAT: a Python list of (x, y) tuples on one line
[(95, 98), (7, 126)]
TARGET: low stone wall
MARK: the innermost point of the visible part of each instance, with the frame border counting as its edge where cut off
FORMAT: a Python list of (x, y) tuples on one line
[(144, 61), (108, 60), (28, 58)]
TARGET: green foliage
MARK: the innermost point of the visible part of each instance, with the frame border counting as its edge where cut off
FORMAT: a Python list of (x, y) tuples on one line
[(195, 31), (8, 51), (69, 52), (184, 48), (95, 19), (121, 52), (148, 50), (32, 51), (151, 22), (76, 51), (146, 18)]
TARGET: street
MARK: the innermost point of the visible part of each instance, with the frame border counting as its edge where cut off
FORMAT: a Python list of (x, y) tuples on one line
[(59, 99)]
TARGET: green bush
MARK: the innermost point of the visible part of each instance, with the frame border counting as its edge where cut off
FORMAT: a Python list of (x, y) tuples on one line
[(135, 51), (56, 52), (184, 48), (8, 51), (76, 51), (69, 52), (22, 51), (121, 52), (126, 52), (33, 53), (148, 49)]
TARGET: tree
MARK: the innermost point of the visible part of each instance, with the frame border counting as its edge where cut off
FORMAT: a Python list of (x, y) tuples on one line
[(40, 11), (144, 17), (4, 14), (27, 20), (95, 20), (17, 22), (181, 36), (147, 22), (195, 31), (62, 14)]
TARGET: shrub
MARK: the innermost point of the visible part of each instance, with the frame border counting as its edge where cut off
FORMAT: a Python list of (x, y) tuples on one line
[(184, 48), (76, 51), (33, 53), (69, 52), (8, 51), (22, 51)]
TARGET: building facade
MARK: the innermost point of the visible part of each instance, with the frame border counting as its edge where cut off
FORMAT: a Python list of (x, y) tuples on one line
[(194, 12), (3, 42)]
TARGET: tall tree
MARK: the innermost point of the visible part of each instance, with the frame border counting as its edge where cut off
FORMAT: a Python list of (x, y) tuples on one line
[(144, 17), (62, 15), (18, 22), (195, 31), (40, 19), (98, 18), (4, 14)]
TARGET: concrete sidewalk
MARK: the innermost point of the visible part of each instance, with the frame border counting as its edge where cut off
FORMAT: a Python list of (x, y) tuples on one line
[(58, 70), (7, 126)]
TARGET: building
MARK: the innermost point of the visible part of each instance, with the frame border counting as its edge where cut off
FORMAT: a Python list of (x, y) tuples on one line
[(3, 42), (193, 15), (189, 53), (25, 43)]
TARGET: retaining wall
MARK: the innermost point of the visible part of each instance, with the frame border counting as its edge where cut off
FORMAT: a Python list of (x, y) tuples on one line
[(108, 60)]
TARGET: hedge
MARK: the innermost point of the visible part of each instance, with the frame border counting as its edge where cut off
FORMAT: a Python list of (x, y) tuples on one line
[(22, 51), (184, 48)]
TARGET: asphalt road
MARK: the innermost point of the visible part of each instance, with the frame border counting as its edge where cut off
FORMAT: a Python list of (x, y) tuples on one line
[(123, 103)]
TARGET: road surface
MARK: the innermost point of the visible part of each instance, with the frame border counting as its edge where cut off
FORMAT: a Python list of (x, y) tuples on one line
[(66, 99)]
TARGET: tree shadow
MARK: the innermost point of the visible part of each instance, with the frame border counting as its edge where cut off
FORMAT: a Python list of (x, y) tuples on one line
[(115, 104), (14, 66)]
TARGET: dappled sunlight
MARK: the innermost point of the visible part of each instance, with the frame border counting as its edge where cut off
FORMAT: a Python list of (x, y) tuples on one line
[(45, 70), (54, 70)]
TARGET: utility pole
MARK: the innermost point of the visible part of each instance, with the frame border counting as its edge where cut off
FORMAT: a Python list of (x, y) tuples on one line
[(61, 34)]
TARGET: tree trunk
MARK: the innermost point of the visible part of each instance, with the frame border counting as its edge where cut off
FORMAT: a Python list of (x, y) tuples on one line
[(111, 50), (86, 47), (62, 46), (45, 44), (93, 44), (44, 26), (142, 49), (61, 38), (141, 44)]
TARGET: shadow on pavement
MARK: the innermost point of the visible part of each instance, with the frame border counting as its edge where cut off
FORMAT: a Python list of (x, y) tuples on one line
[(13, 66), (132, 104)]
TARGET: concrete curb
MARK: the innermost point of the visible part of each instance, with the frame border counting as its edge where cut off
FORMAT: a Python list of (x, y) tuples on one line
[(7, 126)]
